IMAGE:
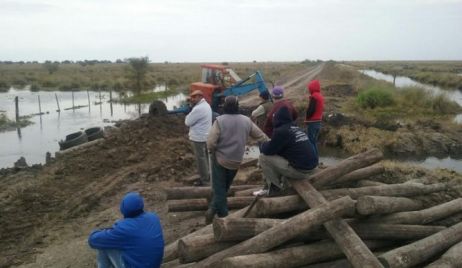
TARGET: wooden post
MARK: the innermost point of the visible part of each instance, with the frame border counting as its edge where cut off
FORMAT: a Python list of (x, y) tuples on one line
[(57, 103), (284, 232), (202, 204), (240, 229), (99, 93), (293, 256), (88, 96), (191, 192), (452, 258), (40, 105), (422, 250), (331, 174), (196, 248), (352, 246), (16, 104), (362, 173), (110, 101), (368, 205), (73, 106), (423, 216)]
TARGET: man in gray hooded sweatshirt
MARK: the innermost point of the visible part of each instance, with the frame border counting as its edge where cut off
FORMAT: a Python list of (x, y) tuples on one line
[(226, 143)]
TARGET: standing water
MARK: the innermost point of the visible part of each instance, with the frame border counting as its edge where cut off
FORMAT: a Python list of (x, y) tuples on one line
[(402, 81), (33, 141)]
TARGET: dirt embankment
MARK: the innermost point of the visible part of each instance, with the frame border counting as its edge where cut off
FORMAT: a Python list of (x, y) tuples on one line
[(62, 202)]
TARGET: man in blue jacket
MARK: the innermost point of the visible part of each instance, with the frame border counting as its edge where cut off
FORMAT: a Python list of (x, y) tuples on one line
[(288, 154), (135, 241)]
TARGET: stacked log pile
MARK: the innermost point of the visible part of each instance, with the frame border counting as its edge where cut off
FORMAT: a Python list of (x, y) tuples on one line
[(323, 224)]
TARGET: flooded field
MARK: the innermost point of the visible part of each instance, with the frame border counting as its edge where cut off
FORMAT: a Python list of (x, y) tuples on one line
[(33, 141)]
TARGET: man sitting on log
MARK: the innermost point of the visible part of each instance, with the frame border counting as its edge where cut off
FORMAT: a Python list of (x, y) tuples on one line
[(288, 154)]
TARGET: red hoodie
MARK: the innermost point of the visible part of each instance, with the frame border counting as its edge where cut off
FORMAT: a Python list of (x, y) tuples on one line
[(316, 103)]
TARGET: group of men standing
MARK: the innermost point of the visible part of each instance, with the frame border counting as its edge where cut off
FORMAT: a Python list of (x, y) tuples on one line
[(286, 150)]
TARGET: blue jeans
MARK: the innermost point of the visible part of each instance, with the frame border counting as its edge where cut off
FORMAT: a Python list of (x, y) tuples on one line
[(110, 258), (222, 178), (312, 130)]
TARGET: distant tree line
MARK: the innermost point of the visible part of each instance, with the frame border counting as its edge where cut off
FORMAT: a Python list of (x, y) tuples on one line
[(81, 62)]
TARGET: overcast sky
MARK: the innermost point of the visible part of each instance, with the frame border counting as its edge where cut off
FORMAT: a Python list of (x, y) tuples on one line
[(234, 30)]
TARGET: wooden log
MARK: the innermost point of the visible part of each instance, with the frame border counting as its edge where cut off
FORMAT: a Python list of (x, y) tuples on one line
[(182, 205), (171, 250), (360, 174), (249, 162), (293, 256), (352, 246), (196, 248), (191, 192), (422, 250), (423, 216), (342, 263), (402, 189), (452, 258), (331, 174), (365, 183), (244, 228), (284, 232), (248, 192), (367, 205), (176, 264), (272, 206)]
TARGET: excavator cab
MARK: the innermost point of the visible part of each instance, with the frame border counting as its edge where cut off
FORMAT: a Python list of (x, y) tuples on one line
[(215, 78)]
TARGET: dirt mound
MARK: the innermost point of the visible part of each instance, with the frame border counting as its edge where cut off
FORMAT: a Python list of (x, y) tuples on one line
[(37, 205)]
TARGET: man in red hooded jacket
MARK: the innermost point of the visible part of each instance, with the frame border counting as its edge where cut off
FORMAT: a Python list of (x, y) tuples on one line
[(314, 112)]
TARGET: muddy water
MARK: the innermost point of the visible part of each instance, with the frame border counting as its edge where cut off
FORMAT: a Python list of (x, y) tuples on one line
[(402, 81), (35, 140), (331, 156)]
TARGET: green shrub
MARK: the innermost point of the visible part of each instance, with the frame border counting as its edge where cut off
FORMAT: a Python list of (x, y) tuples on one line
[(375, 97)]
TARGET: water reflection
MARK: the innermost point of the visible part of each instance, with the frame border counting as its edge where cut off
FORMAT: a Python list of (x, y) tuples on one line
[(60, 119)]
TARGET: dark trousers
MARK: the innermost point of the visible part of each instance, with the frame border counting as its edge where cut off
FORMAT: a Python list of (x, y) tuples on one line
[(222, 178), (312, 130)]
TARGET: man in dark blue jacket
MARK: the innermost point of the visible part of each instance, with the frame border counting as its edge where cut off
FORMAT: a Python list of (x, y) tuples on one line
[(135, 241), (288, 154)]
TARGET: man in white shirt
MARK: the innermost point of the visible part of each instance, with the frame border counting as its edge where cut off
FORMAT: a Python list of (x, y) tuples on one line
[(199, 121)]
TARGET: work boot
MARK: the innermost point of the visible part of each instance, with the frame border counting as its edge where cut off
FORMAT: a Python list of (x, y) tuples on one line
[(209, 215)]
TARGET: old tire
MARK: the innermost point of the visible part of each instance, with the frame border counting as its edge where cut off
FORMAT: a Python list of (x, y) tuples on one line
[(94, 133), (73, 139), (157, 108)]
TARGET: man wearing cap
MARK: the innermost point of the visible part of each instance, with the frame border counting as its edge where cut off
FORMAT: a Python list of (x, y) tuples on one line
[(279, 101), (226, 142), (259, 114), (134, 241), (199, 121)]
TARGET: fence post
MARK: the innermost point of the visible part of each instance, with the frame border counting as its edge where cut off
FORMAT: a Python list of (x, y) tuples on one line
[(57, 103), (40, 105), (16, 102)]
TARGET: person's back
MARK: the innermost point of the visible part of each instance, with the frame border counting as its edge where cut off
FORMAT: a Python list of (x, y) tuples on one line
[(138, 237), (279, 101)]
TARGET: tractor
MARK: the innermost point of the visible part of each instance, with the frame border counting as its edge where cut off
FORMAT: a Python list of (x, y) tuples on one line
[(218, 81)]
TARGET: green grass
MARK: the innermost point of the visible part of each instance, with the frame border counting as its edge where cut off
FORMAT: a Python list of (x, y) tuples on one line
[(147, 97), (113, 76), (7, 124), (375, 97)]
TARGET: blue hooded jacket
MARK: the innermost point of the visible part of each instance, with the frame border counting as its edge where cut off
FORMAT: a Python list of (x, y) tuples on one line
[(139, 235), (290, 142)]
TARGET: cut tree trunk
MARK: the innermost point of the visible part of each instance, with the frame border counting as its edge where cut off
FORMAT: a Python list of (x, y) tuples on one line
[(360, 174), (423, 216), (452, 258), (283, 232), (191, 192), (365, 183), (331, 174), (241, 229), (402, 189), (196, 248), (424, 249), (368, 205), (248, 192), (352, 246), (293, 256), (202, 204)]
